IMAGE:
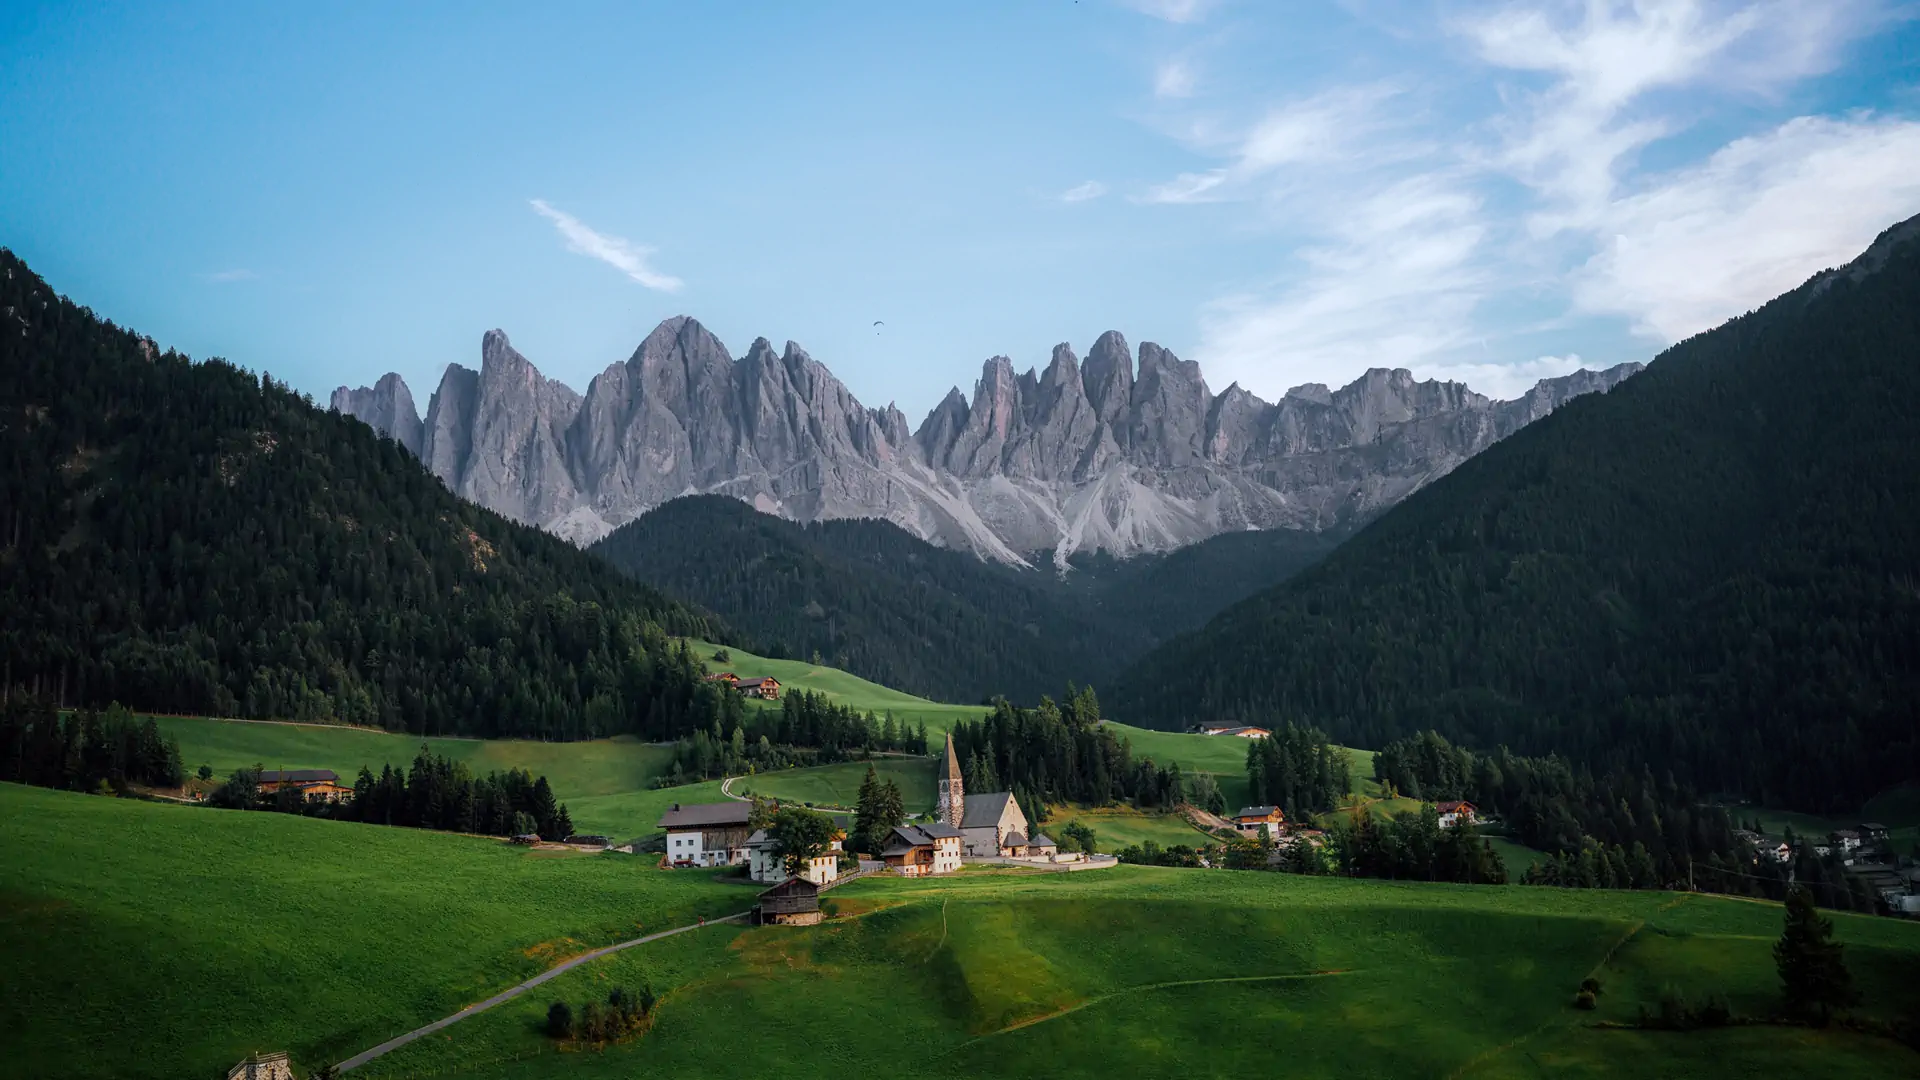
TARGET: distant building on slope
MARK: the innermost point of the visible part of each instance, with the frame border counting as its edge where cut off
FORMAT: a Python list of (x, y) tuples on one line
[(766, 687), (1457, 812), (707, 834), (1242, 731), (313, 783), (1251, 819)]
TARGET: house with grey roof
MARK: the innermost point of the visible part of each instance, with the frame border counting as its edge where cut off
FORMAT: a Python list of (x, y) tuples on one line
[(707, 834), (990, 824), (920, 850)]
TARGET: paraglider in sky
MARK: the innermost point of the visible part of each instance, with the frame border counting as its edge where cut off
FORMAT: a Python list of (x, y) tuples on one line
[(877, 324)]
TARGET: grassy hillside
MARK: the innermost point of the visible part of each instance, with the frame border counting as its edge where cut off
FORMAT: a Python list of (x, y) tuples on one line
[(152, 940), (593, 767), (841, 686), (839, 785), (1143, 972)]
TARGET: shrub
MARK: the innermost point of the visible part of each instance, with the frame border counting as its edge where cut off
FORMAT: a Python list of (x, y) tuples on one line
[(1585, 1000), (560, 1020), (1590, 985), (722, 656), (206, 772)]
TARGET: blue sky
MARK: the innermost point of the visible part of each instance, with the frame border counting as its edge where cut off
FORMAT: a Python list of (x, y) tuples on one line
[(1286, 193)]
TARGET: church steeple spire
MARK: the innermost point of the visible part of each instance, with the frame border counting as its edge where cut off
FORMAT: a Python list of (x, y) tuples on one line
[(953, 791)]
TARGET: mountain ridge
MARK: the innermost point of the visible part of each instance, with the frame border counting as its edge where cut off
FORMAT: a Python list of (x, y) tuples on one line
[(1113, 455), (1709, 574)]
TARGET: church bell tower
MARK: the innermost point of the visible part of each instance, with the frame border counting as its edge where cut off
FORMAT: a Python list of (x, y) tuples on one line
[(953, 793)]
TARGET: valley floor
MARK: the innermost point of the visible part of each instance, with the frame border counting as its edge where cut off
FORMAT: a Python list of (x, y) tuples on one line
[(157, 940)]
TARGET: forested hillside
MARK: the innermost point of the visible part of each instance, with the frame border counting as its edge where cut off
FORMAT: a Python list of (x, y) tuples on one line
[(1712, 571), (869, 597), (188, 537)]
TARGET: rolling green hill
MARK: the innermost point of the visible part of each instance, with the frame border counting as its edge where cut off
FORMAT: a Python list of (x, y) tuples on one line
[(1707, 573), (152, 940), (188, 537)]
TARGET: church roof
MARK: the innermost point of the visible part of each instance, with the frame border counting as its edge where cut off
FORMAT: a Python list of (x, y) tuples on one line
[(953, 760), (983, 811), (1041, 839)]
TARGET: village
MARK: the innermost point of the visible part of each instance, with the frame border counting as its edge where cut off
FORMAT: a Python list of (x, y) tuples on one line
[(983, 828)]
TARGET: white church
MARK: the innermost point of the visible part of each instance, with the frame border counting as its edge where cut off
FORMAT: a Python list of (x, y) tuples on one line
[(990, 825)]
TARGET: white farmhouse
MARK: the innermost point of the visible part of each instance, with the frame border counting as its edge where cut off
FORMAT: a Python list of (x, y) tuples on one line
[(765, 863), (707, 834)]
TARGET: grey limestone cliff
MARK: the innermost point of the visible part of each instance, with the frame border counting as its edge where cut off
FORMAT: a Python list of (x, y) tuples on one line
[(1108, 455)]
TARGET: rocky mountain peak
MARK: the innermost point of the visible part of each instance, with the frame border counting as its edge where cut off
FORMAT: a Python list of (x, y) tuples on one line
[(1109, 454)]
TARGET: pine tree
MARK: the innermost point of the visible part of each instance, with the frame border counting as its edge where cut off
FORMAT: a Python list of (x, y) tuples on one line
[(1813, 976)]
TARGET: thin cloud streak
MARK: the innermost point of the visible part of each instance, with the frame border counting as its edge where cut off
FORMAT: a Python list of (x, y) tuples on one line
[(1092, 189), (1173, 11), (623, 255), (224, 277)]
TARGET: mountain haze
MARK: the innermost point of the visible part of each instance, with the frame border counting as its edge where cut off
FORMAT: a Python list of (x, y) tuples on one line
[(1118, 455), (1710, 573)]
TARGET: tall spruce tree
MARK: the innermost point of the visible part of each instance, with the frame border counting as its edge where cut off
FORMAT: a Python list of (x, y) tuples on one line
[(1813, 976)]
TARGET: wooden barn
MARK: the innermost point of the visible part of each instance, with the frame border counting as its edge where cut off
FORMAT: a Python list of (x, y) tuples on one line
[(793, 902)]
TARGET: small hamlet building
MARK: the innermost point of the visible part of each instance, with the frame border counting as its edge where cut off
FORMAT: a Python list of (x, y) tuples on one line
[(1457, 812), (707, 834), (320, 783), (766, 863), (259, 1066), (793, 902), (1251, 819), (921, 850)]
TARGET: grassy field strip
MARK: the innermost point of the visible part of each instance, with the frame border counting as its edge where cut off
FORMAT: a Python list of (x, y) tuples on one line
[(1092, 1001), (504, 996)]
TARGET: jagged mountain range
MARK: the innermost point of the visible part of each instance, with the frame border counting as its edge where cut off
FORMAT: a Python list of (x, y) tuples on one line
[(1112, 455)]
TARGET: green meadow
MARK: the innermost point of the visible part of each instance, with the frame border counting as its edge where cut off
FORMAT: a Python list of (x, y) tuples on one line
[(1148, 972), (157, 940), (597, 767), (838, 686), (839, 785), (146, 939)]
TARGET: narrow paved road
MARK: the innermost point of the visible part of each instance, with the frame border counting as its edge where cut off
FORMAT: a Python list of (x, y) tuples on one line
[(393, 1044)]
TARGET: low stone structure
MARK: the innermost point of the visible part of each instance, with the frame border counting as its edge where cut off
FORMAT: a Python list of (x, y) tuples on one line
[(259, 1066)]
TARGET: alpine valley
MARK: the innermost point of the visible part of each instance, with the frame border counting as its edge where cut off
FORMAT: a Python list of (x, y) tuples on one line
[(1107, 456)]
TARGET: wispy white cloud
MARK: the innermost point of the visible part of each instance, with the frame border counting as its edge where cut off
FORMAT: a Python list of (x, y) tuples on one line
[(623, 255), (1092, 189), (224, 277), (1173, 11), (1757, 218), (1174, 78), (1403, 231), (1321, 130)]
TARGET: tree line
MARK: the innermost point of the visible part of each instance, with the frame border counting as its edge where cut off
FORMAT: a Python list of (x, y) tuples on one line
[(434, 793), (1621, 830), (807, 729), (86, 750)]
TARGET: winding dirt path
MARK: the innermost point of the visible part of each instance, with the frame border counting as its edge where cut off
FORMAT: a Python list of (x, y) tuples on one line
[(397, 1042)]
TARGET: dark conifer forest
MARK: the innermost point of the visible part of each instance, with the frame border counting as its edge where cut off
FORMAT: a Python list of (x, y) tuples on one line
[(870, 597), (190, 537), (1711, 573)]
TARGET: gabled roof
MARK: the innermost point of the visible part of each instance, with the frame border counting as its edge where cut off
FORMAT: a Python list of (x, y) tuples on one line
[(1015, 839), (760, 839), (1448, 806), (1257, 811), (905, 838), (748, 684), (299, 776), (985, 811), (793, 886), (706, 815), (1041, 839)]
